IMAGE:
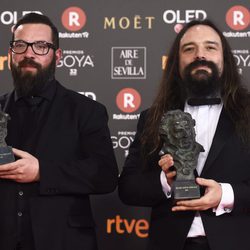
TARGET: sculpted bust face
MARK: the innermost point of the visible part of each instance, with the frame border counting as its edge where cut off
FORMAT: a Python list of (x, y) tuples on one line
[(181, 133), (178, 136), (178, 130)]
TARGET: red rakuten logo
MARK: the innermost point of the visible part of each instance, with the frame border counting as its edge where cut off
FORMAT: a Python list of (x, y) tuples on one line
[(128, 100), (238, 17), (74, 18)]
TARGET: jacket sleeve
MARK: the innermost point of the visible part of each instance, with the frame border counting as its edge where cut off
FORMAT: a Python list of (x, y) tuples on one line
[(92, 168), (139, 186), (241, 197)]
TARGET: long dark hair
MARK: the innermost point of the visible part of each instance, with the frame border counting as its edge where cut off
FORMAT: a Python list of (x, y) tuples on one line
[(172, 96)]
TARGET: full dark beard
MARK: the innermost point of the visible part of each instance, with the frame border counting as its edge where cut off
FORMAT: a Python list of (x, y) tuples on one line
[(202, 83), (28, 84)]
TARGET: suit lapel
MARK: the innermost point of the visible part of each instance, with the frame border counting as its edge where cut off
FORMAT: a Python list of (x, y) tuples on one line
[(223, 132)]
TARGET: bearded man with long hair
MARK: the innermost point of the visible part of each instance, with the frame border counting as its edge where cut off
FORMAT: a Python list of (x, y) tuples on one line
[(200, 78)]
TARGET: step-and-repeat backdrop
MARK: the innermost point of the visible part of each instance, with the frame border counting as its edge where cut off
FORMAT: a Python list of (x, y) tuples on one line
[(114, 52)]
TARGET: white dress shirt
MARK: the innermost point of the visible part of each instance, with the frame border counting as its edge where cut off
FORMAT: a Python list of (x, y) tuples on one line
[(206, 118)]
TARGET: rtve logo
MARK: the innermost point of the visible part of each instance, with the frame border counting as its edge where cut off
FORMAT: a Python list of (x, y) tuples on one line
[(238, 17), (128, 100), (122, 226), (73, 18)]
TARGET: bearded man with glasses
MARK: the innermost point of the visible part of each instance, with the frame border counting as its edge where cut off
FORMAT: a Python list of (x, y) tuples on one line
[(62, 147)]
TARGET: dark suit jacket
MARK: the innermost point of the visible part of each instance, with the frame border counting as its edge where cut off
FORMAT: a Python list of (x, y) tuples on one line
[(227, 162), (76, 159)]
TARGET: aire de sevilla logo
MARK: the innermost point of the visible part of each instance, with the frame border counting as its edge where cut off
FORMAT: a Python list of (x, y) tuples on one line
[(128, 100), (74, 18), (238, 17)]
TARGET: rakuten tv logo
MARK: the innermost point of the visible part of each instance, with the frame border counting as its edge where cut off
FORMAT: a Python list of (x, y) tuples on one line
[(128, 100), (238, 17), (74, 18)]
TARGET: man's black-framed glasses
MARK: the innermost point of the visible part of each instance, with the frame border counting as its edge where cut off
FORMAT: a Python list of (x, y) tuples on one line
[(39, 47)]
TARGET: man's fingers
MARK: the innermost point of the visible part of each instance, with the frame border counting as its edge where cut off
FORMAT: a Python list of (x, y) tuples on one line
[(9, 176), (204, 182), (8, 167), (184, 208), (171, 174), (187, 205), (166, 162), (20, 153), (191, 203)]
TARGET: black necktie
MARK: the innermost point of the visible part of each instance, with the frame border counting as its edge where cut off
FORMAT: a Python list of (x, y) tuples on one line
[(203, 101)]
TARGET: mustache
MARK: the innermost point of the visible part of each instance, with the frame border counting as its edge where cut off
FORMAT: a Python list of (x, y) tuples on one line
[(198, 63), (29, 62), (201, 85)]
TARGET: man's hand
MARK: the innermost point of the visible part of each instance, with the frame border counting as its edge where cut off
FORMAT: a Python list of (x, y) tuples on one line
[(211, 198), (24, 170), (166, 162)]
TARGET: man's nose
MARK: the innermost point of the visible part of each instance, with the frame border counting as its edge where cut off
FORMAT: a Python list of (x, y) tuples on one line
[(29, 52), (200, 54)]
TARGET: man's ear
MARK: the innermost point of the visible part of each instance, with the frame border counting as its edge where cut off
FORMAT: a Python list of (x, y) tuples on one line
[(58, 54)]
